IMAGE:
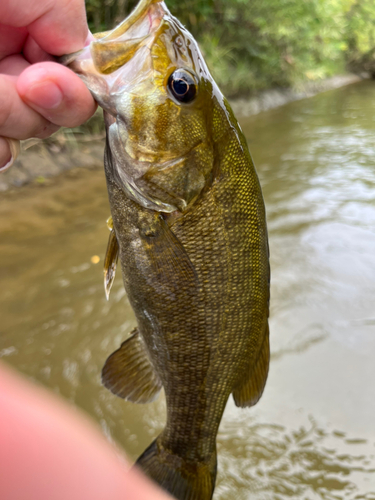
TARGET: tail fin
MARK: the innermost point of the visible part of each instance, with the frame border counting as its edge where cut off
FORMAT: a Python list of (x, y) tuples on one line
[(184, 481)]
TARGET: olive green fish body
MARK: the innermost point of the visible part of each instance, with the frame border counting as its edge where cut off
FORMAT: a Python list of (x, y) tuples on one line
[(204, 325), (189, 220)]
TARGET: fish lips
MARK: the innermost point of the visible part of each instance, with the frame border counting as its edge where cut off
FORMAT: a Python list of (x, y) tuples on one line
[(119, 61)]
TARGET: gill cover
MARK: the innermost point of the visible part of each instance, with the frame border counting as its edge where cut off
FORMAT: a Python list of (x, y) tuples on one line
[(151, 80)]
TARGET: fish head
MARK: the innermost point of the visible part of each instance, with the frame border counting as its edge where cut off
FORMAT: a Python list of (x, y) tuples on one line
[(150, 78)]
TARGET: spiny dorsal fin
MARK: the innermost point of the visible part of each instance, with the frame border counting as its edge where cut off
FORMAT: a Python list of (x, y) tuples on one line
[(249, 391), (129, 374)]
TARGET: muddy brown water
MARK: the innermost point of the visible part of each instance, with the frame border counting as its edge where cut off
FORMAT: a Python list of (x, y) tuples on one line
[(312, 435)]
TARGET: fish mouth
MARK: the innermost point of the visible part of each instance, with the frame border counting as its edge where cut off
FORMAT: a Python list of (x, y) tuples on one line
[(118, 46), (101, 62)]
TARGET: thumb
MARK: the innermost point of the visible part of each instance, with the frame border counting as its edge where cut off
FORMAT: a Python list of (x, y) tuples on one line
[(56, 93)]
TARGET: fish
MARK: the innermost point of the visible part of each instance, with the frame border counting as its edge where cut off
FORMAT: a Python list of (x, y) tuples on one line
[(189, 229)]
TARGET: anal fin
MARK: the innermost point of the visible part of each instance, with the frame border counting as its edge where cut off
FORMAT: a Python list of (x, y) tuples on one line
[(129, 374), (251, 387)]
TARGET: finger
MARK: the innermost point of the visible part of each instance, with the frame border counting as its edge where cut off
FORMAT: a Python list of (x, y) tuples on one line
[(41, 433), (17, 40), (13, 65), (11, 40), (33, 53), (17, 120), (56, 93), (58, 26)]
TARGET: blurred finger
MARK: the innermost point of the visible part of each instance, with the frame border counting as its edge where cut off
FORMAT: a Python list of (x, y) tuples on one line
[(17, 119), (50, 451), (56, 93)]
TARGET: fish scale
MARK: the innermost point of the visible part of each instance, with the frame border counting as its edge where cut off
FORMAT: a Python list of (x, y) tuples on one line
[(189, 228)]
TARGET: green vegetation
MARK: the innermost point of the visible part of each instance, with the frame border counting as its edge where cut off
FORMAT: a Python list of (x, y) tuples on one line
[(256, 44)]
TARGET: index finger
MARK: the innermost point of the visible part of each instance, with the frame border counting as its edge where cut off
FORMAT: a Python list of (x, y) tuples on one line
[(58, 26), (49, 452)]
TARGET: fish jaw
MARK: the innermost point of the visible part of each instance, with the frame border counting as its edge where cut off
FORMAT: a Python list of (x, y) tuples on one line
[(119, 60)]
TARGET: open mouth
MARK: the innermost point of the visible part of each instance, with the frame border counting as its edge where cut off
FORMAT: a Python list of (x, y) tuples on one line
[(113, 49), (118, 46), (119, 60)]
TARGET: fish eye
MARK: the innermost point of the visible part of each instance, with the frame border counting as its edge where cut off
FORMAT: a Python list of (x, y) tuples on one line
[(182, 85)]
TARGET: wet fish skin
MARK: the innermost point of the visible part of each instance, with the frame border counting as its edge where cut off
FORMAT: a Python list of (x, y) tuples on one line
[(190, 224)]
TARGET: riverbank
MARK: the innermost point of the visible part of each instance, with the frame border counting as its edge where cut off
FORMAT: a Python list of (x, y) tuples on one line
[(274, 98), (42, 160)]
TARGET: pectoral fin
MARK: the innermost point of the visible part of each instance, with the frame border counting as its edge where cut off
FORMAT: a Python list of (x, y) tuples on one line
[(129, 374), (174, 271), (251, 387)]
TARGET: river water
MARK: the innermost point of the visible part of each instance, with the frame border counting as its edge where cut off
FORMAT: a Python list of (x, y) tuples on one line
[(312, 435)]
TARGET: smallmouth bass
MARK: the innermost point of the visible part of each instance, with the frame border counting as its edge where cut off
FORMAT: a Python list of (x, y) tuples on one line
[(189, 228)]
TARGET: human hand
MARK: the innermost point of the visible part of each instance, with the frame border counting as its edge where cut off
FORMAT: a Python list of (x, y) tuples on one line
[(38, 95), (49, 452)]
